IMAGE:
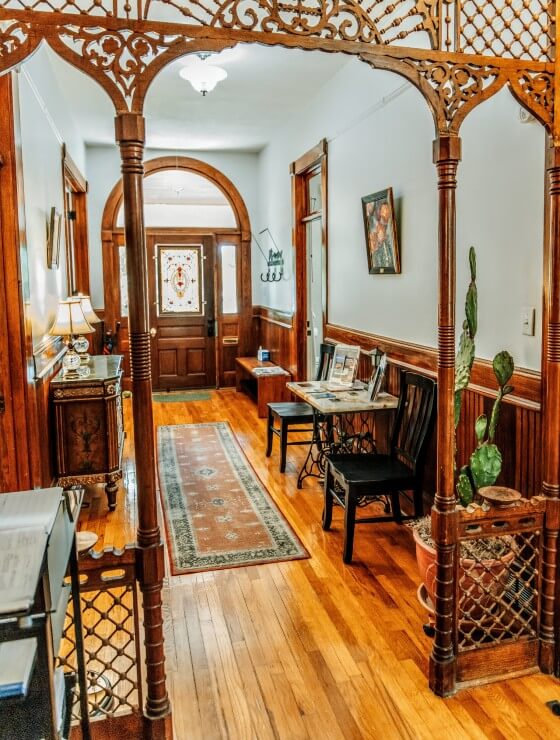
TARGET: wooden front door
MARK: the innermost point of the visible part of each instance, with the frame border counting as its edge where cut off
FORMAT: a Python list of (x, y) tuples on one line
[(181, 290)]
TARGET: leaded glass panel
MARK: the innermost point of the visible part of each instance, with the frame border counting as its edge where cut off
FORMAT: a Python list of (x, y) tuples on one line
[(180, 280)]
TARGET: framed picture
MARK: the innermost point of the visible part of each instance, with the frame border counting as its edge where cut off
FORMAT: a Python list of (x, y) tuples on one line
[(376, 380), (381, 233), (344, 366), (53, 239)]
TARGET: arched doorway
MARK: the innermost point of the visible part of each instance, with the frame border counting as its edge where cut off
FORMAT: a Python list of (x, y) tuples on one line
[(198, 239)]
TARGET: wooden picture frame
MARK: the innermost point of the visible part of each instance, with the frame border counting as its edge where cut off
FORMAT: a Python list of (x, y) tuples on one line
[(382, 246), (53, 239)]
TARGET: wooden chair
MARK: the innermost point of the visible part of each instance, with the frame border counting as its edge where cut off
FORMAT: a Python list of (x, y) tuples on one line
[(356, 480), (291, 414)]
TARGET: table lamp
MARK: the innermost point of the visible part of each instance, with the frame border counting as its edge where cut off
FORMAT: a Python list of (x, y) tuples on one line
[(81, 344), (70, 320)]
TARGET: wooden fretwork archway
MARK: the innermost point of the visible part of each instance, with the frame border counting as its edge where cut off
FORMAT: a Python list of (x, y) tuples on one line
[(457, 55)]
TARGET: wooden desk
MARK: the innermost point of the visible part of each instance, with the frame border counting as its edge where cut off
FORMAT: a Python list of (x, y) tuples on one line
[(89, 426), (342, 423), (37, 551), (265, 388)]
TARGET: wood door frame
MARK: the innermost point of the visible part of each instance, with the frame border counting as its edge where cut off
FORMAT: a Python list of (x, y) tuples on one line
[(77, 259), (243, 230), (314, 159), (20, 448)]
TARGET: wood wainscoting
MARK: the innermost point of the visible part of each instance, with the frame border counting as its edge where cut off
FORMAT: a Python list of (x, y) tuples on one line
[(519, 430), (274, 330)]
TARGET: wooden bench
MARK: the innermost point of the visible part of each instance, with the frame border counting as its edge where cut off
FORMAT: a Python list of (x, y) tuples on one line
[(265, 388)]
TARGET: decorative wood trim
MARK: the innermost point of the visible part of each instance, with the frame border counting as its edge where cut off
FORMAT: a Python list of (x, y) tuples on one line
[(527, 383), (273, 316), (310, 159), (76, 229), (300, 169), (72, 172), (18, 445)]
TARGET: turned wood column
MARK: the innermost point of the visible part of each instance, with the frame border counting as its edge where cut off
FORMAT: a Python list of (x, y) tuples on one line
[(129, 129), (447, 154), (551, 416)]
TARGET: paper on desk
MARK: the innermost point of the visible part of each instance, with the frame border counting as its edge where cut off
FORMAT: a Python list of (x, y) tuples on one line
[(37, 508), (21, 557), (16, 661)]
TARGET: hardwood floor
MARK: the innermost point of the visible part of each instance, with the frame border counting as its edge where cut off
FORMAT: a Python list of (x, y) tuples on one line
[(310, 648)]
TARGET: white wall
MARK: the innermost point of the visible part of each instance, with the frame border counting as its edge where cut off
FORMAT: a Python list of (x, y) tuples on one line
[(46, 123), (380, 134), (103, 171)]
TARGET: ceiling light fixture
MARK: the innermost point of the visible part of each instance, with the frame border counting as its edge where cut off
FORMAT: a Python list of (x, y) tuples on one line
[(203, 76)]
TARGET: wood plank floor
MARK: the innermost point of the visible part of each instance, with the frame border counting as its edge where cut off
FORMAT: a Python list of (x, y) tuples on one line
[(310, 648)]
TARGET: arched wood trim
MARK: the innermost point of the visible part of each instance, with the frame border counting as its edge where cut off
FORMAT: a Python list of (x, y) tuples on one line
[(110, 231), (160, 164)]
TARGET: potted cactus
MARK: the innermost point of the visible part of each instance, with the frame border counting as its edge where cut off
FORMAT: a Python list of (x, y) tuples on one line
[(485, 463)]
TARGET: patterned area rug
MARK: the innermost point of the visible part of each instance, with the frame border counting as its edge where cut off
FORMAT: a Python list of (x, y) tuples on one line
[(217, 512), (176, 396)]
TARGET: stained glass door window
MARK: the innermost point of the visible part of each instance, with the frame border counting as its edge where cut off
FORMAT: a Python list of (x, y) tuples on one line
[(180, 280)]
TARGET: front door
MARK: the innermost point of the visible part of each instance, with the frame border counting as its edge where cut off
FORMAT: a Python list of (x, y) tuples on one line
[(181, 290)]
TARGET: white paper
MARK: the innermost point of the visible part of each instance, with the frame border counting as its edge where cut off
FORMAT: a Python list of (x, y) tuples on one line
[(16, 662), (21, 557), (37, 508)]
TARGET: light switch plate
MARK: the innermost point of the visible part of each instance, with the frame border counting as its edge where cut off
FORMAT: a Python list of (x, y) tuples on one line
[(528, 321)]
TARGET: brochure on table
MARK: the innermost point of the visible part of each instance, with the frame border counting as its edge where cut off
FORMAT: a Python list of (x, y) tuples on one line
[(376, 380), (344, 367)]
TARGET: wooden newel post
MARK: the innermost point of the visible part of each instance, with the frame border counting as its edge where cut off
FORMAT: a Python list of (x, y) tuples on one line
[(447, 154), (129, 129), (551, 419)]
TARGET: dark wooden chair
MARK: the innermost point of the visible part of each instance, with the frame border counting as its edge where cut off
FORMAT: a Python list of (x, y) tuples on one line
[(356, 480), (291, 414)]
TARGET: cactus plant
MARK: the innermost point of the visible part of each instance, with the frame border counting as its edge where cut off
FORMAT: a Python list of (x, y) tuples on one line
[(485, 463), (465, 354)]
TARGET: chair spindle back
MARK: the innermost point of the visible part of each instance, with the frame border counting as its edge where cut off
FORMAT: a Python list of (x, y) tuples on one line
[(415, 413)]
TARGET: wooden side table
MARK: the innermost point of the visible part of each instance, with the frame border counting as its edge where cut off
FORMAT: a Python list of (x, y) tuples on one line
[(89, 426), (264, 388)]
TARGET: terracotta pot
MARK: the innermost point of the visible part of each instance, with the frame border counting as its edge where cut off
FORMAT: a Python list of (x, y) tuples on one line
[(480, 583)]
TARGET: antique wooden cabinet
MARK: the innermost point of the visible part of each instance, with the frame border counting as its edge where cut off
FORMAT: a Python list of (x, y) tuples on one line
[(89, 427)]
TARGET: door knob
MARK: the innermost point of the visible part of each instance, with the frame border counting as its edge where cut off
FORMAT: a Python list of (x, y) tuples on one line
[(153, 332)]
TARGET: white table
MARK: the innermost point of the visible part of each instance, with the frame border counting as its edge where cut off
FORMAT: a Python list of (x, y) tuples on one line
[(342, 421)]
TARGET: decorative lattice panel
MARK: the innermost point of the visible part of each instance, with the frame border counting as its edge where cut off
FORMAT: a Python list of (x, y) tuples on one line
[(111, 642), (499, 589), (499, 586), (369, 21), (521, 29)]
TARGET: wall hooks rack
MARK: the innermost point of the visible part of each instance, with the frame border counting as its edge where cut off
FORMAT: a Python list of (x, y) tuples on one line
[(274, 260)]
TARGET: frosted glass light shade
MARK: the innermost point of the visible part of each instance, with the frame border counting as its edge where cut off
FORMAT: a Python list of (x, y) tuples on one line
[(203, 77), (89, 313), (70, 319)]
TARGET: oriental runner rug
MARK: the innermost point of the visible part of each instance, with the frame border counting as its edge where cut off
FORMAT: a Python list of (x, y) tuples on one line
[(217, 512)]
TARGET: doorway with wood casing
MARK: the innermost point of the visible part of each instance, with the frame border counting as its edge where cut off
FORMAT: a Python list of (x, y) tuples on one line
[(182, 315), (199, 280)]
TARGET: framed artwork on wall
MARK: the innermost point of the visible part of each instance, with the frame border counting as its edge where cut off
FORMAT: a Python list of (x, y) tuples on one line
[(381, 234), (53, 239)]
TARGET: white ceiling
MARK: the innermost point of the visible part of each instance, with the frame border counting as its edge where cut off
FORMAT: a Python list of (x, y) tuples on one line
[(263, 88)]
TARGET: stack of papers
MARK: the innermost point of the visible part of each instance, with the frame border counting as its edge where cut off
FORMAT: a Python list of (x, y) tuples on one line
[(26, 521), (16, 663), (274, 370)]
